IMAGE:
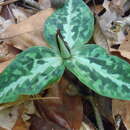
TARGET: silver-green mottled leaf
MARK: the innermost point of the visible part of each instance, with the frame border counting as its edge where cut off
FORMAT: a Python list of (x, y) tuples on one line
[(106, 75), (75, 21), (29, 73)]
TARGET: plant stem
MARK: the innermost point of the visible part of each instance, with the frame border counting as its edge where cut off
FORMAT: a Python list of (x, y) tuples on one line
[(97, 114)]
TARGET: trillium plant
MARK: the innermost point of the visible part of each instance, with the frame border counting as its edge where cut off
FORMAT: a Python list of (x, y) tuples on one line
[(66, 31)]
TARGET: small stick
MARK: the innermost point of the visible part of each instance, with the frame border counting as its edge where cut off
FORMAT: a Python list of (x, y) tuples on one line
[(22, 100), (44, 98)]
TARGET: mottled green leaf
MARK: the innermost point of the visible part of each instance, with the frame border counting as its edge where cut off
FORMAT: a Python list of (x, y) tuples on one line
[(106, 75), (75, 21), (29, 73)]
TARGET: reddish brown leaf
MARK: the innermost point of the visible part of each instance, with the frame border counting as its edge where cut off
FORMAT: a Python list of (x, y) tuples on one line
[(38, 123), (66, 112)]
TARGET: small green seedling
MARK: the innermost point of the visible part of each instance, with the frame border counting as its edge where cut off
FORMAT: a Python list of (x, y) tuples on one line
[(66, 31)]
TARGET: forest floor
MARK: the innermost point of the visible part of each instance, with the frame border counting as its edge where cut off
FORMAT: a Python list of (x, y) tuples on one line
[(61, 107)]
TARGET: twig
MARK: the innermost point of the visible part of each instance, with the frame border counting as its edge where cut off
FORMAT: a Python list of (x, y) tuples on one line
[(26, 98), (44, 98)]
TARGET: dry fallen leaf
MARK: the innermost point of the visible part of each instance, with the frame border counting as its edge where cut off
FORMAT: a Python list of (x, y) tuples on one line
[(84, 126), (2, 128), (20, 124), (99, 37), (8, 117), (33, 23), (24, 110), (45, 4), (7, 52), (4, 24), (124, 49), (120, 107), (28, 32), (66, 112), (119, 6), (111, 28), (19, 14), (3, 65), (104, 106), (38, 123)]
